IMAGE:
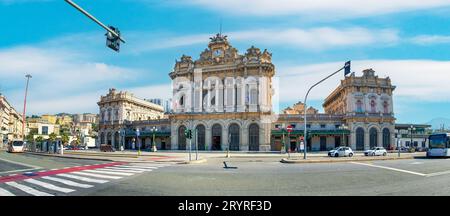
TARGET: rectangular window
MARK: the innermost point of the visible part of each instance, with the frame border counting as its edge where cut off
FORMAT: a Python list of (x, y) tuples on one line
[(44, 130), (323, 126), (293, 125), (308, 126)]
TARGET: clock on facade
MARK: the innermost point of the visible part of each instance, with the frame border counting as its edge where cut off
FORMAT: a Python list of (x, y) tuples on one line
[(217, 53)]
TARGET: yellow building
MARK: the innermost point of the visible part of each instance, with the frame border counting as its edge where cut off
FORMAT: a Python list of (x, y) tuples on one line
[(49, 118)]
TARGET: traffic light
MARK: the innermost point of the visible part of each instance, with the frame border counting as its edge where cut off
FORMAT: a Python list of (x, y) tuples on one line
[(188, 134), (112, 41)]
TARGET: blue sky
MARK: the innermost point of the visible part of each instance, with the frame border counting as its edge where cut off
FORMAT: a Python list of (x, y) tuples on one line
[(407, 40)]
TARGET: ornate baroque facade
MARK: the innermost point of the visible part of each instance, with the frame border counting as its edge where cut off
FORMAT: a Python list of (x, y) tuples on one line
[(225, 96)]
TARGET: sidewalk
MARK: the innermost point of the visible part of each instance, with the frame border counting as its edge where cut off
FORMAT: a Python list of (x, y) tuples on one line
[(183, 156)]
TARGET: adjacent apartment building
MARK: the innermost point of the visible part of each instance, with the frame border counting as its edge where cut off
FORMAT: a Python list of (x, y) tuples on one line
[(10, 122)]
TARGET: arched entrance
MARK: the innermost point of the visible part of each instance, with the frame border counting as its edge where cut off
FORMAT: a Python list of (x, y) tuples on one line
[(201, 137), (102, 138), (359, 139), (181, 138), (233, 131), (253, 137), (109, 138), (116, 140), (216, 137), (386, 138), (373, 137)]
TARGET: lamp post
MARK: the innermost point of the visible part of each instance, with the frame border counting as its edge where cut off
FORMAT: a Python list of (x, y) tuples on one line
[(122, 139), (411, 129), (28, 76), (347, 71), (154, 130), (137, 141)]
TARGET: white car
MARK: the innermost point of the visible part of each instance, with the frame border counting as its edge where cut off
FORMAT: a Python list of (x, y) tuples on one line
[(376, 151), (341, 152)]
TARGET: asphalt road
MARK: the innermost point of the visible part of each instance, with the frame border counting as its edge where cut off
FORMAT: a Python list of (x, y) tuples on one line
[(256, 177), (273, 178)]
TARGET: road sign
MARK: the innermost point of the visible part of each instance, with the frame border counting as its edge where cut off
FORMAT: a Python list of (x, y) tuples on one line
[(289, 128)]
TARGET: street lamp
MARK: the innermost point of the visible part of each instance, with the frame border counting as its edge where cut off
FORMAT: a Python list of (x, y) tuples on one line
[(411, 129), (122, 139), (137, 141), (346, 69), (28, 76), (154, 129)]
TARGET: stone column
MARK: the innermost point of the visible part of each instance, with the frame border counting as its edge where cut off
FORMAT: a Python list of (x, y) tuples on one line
[(380, 139), (366, 139), (208, 137), (225, 139)]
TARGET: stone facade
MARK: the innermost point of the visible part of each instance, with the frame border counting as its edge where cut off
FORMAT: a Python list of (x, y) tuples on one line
[(226, 96), (117, 108), (367, 105)]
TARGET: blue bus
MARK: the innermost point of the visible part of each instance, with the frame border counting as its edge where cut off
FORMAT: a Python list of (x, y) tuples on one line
[(439, 145)]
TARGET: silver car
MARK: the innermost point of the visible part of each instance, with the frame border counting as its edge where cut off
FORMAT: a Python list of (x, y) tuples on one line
[(376, 151), (342, 151)]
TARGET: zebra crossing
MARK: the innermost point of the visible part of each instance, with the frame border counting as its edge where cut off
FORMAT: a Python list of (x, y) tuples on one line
[(70, 180)]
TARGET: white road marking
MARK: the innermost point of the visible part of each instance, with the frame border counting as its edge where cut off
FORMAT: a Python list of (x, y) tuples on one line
[(390, 168), (139, 167), (4, 192), (85, 179), (117, 172), (67, 182), (126, 168), (122, 170), (97, 175), (416, 163), (27, 189), (49, 186)]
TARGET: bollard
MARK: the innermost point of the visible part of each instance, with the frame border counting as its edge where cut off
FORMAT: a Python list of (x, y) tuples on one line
[(228, 153)]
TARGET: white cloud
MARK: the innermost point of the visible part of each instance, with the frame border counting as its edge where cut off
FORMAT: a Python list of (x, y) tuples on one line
[(430, 39), (314, 8), (60, 77), (312, 39), (416, 80)]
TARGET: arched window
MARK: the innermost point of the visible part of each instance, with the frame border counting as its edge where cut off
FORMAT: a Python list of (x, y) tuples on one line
[(216, 137), (201, 137), (359, 105), (109, 115), (373, 108), (182, 101), (253, 96), (102, 138), (253, 136), (181, 138), (233, 131), (109, 138), (386, 107), (373, 137), (359, 139), (386, 138)]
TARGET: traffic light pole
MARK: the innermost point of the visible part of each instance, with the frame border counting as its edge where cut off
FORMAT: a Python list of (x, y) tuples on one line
[(304, 116), (94, 19)]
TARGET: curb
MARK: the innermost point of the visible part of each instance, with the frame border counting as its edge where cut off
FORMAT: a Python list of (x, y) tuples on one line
[(194, 161), (290, 161)]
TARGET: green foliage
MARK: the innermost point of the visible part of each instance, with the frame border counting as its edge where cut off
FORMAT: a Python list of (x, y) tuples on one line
[(65, 139), (39, 139), (52, 137)]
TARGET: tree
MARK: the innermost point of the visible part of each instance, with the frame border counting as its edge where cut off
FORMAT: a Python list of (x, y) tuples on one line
[(64, 139), (52, 137)]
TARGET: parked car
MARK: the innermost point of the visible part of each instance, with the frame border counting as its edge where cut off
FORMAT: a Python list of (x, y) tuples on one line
[(376, 151), (342, 151)]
